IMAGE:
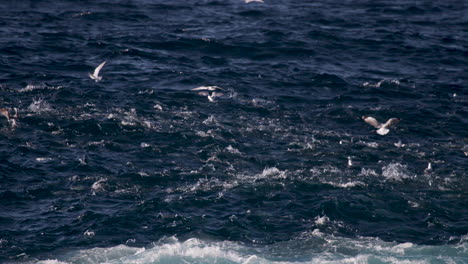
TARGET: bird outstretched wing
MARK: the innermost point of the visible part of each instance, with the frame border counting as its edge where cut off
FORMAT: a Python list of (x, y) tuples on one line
[(98, 69), (372, 121), (391, 122)]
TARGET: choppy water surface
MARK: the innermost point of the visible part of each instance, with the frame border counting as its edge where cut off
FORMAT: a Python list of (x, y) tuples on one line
[(138, 168)]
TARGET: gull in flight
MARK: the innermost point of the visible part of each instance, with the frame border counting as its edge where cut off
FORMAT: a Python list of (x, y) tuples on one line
[(95, 76), (399, 144), (209, 91), (11, 119), (382, 129)]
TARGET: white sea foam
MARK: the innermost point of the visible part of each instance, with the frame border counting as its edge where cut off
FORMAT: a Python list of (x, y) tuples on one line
[(98, 186), (39, 106), (40, 86), (52, 261), (368, 144), (350, 184), (378, 84), (368, 172), (272, 173), (300, 146), (130, 118), (232, 150), (321, 220), (396, 172), (319, 171), (211, 120), (85, 13), (208, 133), (239, 179), (313, 248)]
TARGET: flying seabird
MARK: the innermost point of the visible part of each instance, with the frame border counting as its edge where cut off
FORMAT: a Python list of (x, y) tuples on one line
[(382, 129), (209, 91), (95, 76)]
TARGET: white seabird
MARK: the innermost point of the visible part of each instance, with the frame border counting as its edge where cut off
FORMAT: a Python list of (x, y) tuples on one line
[(399, 144), (428, 170), (95, 76), (209, 91), (382, 129)]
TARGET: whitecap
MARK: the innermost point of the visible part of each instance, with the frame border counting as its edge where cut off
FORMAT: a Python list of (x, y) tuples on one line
[(313, 247), (98, 185), (368, 144), (39, 106), (272, 172), (321, 220), (368, 172), (345, 185), (321, 170), (43, 159), (52, 261), (211, 120), (396, 171), (232, 150), (208, 133), (85, 13), (379, 83), (40, 86)]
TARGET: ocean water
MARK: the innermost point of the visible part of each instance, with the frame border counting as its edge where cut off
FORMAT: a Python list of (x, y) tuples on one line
[(278, 167)]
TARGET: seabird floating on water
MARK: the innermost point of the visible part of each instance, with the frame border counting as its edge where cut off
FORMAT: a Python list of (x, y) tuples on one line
[(11, 119), (95, 76), (382, 129), (399, 144), (209, 91)]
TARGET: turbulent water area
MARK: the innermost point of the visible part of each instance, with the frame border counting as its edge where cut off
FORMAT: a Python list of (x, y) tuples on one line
[(276, 166)]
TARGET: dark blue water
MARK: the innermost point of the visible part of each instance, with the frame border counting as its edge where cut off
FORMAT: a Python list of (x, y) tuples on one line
[(138, 168)]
